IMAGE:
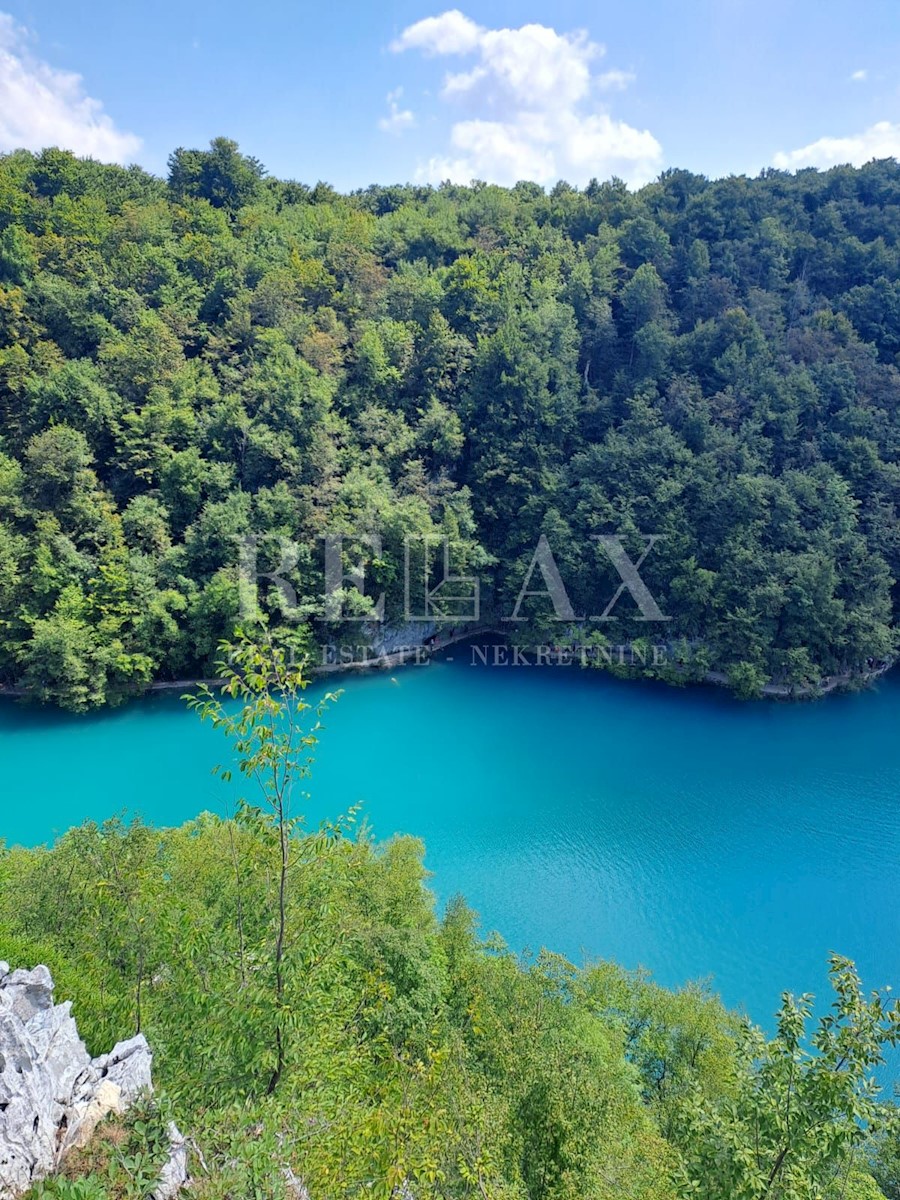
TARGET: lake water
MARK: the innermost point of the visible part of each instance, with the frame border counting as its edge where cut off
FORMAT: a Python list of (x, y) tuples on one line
[(676, 829)]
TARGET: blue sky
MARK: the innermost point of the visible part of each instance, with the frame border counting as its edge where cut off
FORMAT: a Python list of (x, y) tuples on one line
[(355, 92)]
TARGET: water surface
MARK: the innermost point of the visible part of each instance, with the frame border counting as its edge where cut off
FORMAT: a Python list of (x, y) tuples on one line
[(676, 829)]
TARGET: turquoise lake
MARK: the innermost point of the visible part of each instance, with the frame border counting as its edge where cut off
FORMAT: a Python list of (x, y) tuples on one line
[(676, 829)]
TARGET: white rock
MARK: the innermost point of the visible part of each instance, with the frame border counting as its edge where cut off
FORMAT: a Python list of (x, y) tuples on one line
[(174, 1176), (52, 1094)]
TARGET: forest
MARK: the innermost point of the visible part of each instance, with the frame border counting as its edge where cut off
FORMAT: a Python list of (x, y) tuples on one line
[(191, 361), (320, 1031)]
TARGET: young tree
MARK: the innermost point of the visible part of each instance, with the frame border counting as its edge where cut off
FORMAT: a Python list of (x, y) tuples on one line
[(272, 743), (803, 1108)]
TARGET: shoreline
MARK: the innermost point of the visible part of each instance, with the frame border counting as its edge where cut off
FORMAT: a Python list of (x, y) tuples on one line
[(421, 655)]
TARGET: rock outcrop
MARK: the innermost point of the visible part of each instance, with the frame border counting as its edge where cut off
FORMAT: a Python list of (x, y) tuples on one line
[(174, 1176), (52, 1093)]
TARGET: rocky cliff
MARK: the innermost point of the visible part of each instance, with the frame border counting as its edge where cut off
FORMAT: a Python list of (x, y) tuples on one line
[(53, 1094)]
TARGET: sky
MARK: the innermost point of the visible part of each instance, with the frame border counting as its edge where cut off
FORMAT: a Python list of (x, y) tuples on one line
[(355, 92)]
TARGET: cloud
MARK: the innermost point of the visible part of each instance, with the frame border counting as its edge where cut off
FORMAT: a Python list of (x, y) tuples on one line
[(398, 118), (615, 81), (451, 33), (859, 76), (42, 106), (527, 106), (879, 141)]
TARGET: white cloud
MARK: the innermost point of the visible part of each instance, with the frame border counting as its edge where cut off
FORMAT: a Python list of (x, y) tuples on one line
[(859, 76), (398, 118), (533, 66), (879, 141), (615, 81), (529, 109), (450, 33), (42, 106)]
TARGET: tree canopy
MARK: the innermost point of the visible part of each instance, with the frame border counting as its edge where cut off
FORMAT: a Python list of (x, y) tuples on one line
[(190, 361)]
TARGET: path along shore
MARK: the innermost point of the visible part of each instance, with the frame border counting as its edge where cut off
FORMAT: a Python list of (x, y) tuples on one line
[(421, 654)]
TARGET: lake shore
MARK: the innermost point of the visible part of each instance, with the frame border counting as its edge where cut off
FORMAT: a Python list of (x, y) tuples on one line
[(421, 653)]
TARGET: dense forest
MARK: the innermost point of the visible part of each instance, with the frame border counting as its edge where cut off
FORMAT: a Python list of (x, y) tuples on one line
[(319, 1032), (189, 361)]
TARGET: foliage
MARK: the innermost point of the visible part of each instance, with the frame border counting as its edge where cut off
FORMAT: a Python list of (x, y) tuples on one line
[(122, 1162), (414, 1052), (803, 1107), (221, 355)]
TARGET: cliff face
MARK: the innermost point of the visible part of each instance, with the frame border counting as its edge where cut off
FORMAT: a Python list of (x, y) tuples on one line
[(52, 1093)]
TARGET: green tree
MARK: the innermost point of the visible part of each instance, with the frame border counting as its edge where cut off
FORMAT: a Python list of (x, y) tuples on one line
[(272, 741), (221, 175), (805, 1105)]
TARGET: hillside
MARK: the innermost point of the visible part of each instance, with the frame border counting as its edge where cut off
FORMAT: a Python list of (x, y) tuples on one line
[(188, 363)]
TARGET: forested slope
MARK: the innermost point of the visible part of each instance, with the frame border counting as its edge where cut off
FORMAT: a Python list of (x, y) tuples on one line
[(184, 362)]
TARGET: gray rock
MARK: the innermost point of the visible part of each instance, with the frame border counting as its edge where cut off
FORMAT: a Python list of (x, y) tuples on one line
[(174, 1176), (52, 1093), (128, 1067)]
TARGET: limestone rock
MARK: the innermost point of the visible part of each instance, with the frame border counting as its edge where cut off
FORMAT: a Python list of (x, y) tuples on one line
[(174, 1176), (52, 1094)]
